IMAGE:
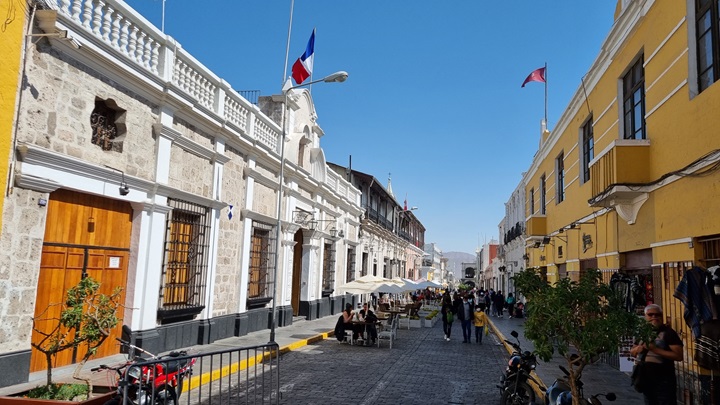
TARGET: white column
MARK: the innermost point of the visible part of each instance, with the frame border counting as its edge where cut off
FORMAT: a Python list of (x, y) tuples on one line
[(219, 165), (247, 232), (148, 276)]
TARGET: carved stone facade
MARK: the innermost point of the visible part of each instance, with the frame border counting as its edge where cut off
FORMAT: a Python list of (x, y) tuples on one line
[(198, 174)]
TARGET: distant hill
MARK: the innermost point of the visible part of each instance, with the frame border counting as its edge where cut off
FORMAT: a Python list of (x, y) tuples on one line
[(455, 258)]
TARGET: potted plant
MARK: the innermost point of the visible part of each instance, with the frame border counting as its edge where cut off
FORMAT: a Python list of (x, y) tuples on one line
[(86, 319), (578, 319), (431, 318)]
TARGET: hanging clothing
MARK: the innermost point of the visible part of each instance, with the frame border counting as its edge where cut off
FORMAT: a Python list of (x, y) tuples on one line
[(696, 293), (707, 346), (630, 290)]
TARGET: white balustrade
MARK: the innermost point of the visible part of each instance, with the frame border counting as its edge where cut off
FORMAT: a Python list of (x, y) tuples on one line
[(266, 135), (235, 112), (115, 24)]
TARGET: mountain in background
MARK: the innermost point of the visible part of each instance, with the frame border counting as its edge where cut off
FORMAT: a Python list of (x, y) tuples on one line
[(456, 258)]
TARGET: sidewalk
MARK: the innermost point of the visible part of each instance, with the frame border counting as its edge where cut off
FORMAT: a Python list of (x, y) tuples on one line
[(297, 335), (597, 378)]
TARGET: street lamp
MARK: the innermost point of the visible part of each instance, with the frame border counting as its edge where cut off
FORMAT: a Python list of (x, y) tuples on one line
[(337, 77)]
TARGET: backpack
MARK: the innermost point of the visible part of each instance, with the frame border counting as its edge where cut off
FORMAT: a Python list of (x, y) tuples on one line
[(449, 316), (510, 300)]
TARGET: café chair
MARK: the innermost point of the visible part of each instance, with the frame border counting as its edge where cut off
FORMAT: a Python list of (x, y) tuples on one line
[(349, 337), (389, 334)]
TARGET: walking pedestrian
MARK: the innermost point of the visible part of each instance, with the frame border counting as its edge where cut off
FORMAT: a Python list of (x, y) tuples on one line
[(510, 301), (480, 322), (447, 320), (657, 380), (499, 303), (488, 303), (465, 315)]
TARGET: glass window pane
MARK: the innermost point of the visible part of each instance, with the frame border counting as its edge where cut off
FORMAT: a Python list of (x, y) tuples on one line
[(705, 52)]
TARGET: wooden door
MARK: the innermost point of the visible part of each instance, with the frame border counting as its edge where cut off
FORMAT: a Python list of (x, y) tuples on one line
[(297, 272), (84, 235)]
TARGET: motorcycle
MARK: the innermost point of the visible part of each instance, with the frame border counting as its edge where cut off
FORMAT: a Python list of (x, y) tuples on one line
[(152, 380), (559, 393), (514, 384)]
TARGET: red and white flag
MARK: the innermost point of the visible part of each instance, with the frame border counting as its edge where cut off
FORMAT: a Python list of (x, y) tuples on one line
[(302, 68), (537, 75)]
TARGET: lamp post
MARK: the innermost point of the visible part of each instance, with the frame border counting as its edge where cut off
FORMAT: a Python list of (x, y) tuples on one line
[(337, 77)]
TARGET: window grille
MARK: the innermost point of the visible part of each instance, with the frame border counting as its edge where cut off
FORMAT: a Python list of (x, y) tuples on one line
[(710, 251), (329, 269), (262, 249), (105, 131), (350, 265), (184, 275), (365, 264)]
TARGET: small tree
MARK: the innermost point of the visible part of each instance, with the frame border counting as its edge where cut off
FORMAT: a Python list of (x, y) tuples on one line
[(85, 321), (587, 316)]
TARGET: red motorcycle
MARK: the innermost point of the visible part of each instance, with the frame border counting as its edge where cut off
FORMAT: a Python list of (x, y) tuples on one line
[(155, 380)]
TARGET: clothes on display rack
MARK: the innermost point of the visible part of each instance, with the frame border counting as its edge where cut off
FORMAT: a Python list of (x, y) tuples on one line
[(699, 291), (631, 290), (695, 291)]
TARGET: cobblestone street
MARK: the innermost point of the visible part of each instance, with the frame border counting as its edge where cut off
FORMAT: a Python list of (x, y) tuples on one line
[(420, 368)]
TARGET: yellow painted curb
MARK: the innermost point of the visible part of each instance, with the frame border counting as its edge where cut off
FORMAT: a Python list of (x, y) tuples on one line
[(241, 365), (539, 393)]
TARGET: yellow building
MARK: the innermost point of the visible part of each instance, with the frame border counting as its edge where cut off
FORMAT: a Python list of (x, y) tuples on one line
[(628, 180), (11, 46)]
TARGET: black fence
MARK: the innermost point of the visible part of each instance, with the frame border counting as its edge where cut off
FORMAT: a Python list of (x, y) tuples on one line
[(247, 375)]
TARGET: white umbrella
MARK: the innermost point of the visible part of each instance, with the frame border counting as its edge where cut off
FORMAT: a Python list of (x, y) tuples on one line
[(365, 284), (430, 284), (389, 289), (405, 284)]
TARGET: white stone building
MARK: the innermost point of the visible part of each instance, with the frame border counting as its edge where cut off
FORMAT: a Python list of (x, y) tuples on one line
[(511, 252), (136, 165)]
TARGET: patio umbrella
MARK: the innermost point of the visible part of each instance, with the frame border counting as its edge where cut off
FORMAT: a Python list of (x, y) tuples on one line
[(405, 284), (428, 284), (365, 284), (389, 289)]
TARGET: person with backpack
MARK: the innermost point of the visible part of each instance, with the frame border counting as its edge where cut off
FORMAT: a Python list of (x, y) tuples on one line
[(510, 301)]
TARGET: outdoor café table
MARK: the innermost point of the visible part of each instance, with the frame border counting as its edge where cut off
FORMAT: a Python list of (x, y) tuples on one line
[(366, 333)]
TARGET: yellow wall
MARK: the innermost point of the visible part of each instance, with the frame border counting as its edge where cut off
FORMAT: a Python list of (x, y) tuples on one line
[(681, 127), (11, 41)]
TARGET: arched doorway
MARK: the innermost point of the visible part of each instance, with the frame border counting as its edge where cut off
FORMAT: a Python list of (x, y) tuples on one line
[(297, 272)]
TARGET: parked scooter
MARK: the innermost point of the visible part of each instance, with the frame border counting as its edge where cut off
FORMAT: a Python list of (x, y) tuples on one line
[(559, 393), (158, 383), (514, 384)]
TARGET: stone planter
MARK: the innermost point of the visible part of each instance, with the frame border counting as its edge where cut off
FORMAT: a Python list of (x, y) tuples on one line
[(101, 396), (415, 323), (429, 323)]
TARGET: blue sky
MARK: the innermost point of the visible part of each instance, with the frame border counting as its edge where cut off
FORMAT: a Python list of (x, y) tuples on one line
[(433, 96)]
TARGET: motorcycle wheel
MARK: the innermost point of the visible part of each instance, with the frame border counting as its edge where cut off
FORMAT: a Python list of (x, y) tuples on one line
[(523, 395), (166, 396)]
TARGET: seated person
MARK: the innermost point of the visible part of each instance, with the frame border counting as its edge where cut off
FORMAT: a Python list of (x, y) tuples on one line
[(348, 315), (367, 315)]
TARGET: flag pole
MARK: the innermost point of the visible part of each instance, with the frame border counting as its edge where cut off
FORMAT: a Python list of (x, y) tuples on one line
[(546, 86), (287, 46), (162, 22)]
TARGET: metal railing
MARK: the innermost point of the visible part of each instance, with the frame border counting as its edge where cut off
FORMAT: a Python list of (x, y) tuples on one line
[(246, 375)]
